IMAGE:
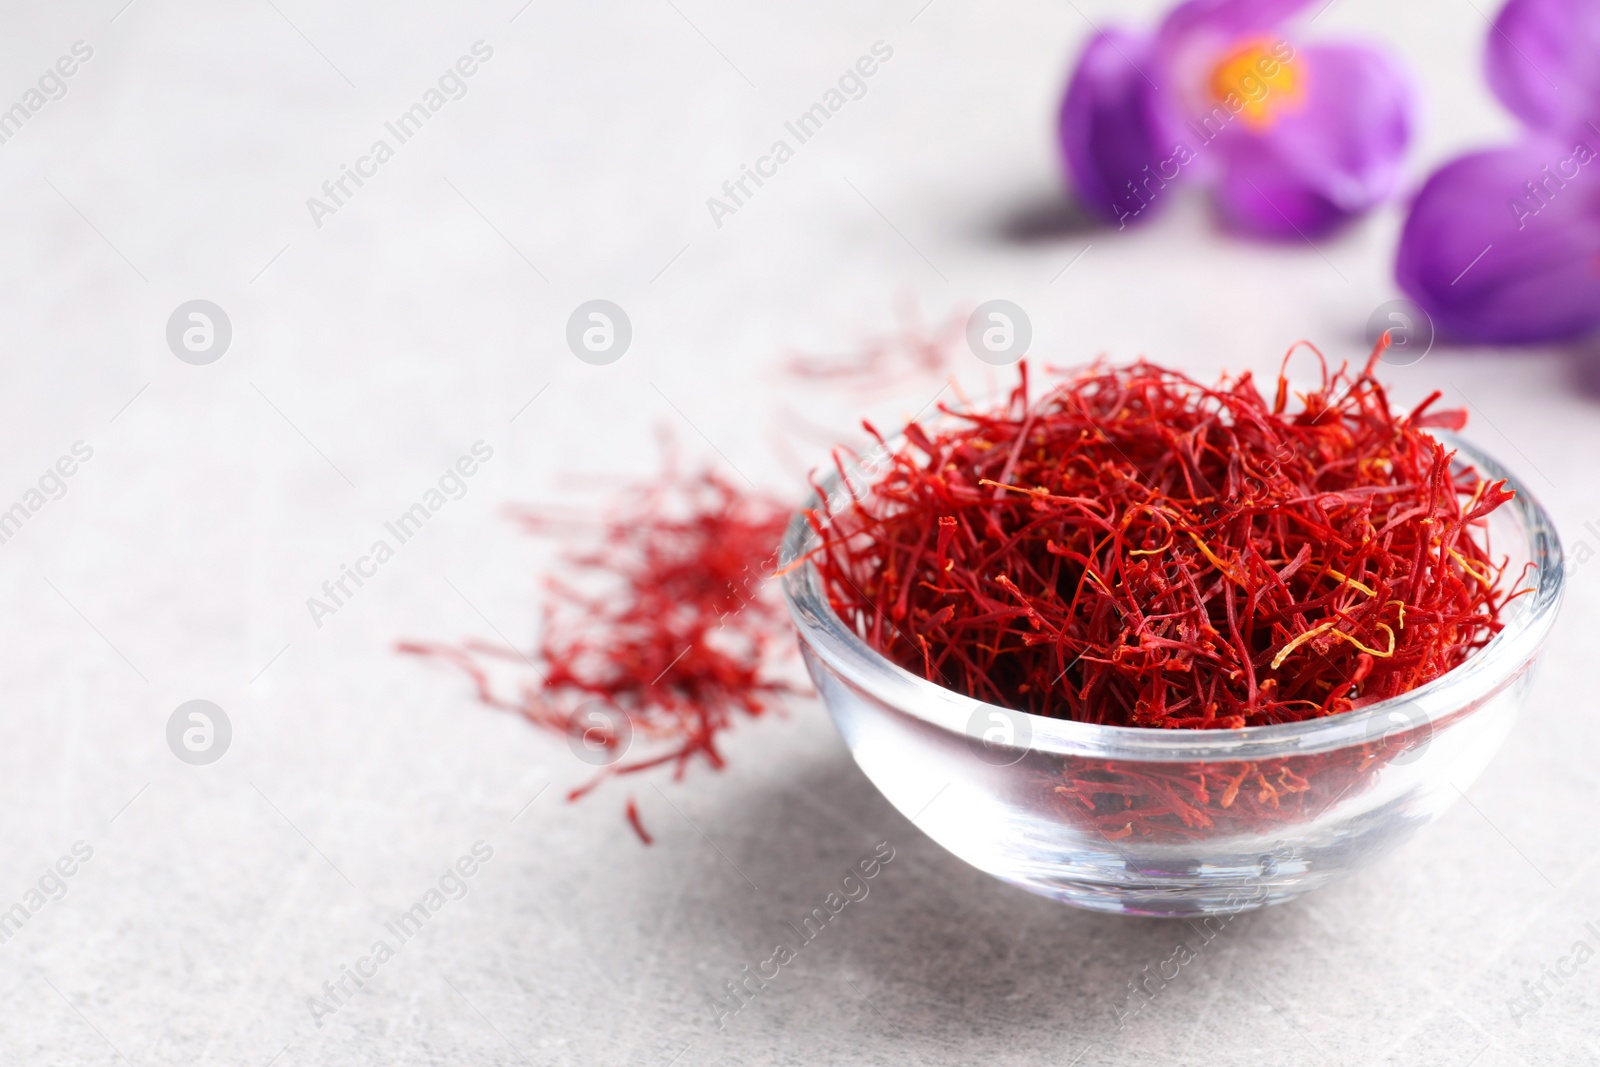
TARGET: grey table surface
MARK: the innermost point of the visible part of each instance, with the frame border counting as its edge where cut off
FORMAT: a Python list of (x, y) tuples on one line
[(374, 344)]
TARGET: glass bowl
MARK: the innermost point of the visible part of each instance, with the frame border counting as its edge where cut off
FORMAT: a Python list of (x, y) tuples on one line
[(1221, 820)]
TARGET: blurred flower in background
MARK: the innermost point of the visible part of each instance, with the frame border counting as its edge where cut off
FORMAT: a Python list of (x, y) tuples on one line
[(1503, 245), (1294, 140)]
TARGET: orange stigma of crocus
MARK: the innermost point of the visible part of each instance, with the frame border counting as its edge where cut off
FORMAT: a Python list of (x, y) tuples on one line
[(1266, 84)]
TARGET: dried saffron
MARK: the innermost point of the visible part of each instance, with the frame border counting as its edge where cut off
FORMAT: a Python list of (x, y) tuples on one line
[(915, 349), (638, 827), (676, 635), (1133, 548)]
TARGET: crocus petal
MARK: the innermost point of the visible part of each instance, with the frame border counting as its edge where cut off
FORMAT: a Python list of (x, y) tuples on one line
[(1328, 157), (1541, 61), (1110, 124), (1225, 20), (1491, 261)]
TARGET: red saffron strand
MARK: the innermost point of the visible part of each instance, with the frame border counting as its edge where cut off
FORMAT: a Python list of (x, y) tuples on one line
[(914, 349), (638, 827), (669, 623)]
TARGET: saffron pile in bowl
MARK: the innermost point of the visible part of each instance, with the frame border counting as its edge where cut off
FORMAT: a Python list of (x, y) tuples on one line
[(1133, 548)]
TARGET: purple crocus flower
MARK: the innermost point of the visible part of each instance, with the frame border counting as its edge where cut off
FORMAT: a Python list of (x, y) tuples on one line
[(1294, 140), (1503, 245)]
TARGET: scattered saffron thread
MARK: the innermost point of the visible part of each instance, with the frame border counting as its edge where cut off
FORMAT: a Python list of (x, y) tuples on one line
[(915, 349), (676, 628), (638, 827)]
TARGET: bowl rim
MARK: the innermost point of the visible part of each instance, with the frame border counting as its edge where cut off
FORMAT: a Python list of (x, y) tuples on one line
[(1465, 687)]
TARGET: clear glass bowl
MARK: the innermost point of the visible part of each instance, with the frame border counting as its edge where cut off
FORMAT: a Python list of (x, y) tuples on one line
[(1228, 819)]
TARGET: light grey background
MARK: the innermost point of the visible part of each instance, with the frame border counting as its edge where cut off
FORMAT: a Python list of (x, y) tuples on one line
[(369, 353)]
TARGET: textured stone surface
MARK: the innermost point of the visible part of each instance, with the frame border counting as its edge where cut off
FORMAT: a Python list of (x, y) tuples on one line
[(420, 318)]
